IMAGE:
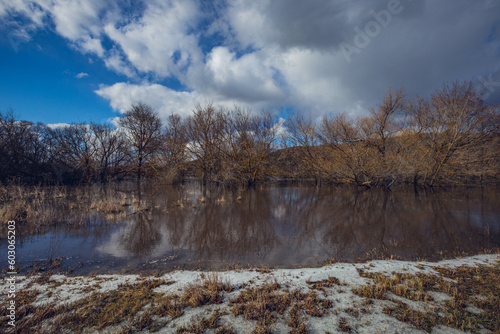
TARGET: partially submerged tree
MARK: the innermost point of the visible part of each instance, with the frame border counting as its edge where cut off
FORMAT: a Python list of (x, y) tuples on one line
[(23, 154), (383, 122), (110, 149), (74, 151), (173, 150), (250, 141), (306, 160), (452, 136), (143, 130), (453, 126), (205, 133), (231, 146)]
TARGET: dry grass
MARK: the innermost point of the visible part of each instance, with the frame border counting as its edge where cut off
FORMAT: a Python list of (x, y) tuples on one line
[(209, 291), (130, 307), (330, 282), (344, 325), (468, 287), (97, 311), (313, 305), (24, 311), (167, 306), (101, 310), (261, 303), (40, 207), (474, 304), (109, 206), (296, 321), (413, 287), (264, 303), (212, 322), (421, 320), (29, 204)]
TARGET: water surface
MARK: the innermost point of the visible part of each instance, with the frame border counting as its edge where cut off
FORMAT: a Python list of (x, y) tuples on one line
[(276, 226)]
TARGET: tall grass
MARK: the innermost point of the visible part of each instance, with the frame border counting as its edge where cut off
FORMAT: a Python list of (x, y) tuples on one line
[(35, 208)]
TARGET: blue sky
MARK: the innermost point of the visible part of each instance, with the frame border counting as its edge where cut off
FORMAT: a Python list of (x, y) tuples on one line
[(40, 83), (68, 61)]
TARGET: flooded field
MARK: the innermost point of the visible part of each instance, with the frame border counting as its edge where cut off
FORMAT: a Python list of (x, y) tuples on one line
[(158, 228)]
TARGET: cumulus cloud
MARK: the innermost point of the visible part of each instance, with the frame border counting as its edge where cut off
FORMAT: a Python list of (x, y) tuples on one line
[(165, 100), (91, 45), (420, 46), (248, 78), (292, 23), (75, 19), (267, 53), (17, 9), (81, 75), (58, 125), (159, 41), (116, 62)]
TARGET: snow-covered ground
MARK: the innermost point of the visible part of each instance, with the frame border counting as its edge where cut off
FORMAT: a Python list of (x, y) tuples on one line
[(346, 306)]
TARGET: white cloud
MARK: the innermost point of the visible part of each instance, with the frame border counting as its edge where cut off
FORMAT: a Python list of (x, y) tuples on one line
[(35, 12), (267, 53), (58, 125), (248, 78), (280, 128), (115, 121), (92, 45), (76, 19), (115, 62), (166, 101), (81, 75), (159, 42)]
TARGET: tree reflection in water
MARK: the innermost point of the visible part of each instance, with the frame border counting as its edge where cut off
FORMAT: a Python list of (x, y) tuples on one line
[(277, 226), (294, 226)]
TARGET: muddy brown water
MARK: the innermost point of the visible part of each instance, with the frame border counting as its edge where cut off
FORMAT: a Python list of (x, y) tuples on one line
[(194, 227)]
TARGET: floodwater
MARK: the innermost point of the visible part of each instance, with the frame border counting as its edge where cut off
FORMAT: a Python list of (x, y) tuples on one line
[(193, 227)]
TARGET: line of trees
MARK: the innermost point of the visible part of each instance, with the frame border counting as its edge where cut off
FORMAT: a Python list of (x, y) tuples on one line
[(451, 137), (214, 145)]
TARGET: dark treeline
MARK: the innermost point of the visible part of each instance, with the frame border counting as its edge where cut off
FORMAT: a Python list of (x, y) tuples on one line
[(452, 137)]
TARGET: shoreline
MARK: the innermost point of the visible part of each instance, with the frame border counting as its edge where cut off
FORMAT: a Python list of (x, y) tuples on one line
[(378, 295)]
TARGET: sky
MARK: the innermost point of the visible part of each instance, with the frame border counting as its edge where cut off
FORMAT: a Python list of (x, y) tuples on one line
[(65, 61)]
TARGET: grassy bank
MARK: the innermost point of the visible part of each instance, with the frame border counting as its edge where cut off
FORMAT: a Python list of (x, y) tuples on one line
[(39, 207), (378, 296)]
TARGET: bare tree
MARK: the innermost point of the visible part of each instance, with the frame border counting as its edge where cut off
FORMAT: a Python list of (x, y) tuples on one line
[(250, 141), (142, 127), (74, 150), (306, 158), (205, 133), (453, 125), (384, 131), (22, 151), (450, 137), (110, 148), (424, 141), (348, 157), (174, 148), (384, 122)]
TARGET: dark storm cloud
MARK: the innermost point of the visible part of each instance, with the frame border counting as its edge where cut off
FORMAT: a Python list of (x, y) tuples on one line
[(368, 47)]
